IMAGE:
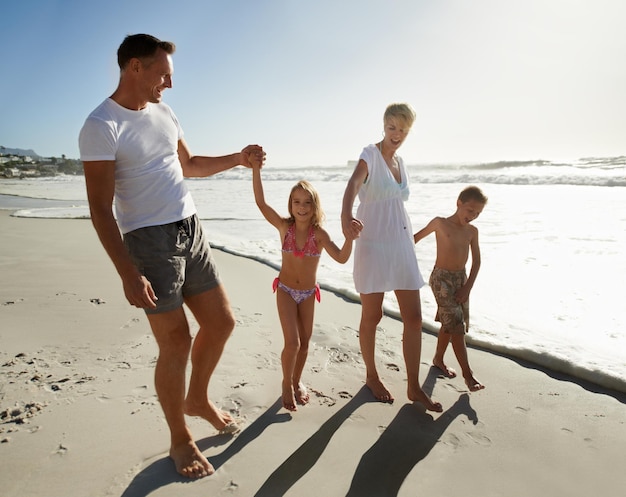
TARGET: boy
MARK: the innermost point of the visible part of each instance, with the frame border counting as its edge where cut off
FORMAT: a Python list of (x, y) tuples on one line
[(449, 282)]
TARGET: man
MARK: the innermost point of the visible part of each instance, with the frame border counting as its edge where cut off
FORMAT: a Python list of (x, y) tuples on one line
[(133, 151)]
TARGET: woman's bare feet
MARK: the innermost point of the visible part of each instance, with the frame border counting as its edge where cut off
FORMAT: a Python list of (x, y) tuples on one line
[(447, 372), (207, 410), (473, 384), (301, 394), (190, 462), (416, 394), (378, 390)]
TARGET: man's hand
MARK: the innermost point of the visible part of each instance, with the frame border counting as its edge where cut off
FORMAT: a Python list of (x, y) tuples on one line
[(139, 292)]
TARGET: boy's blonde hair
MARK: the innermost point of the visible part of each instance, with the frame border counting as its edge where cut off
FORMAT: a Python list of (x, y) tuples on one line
[(318, 213), (473, 193), (403, 112)]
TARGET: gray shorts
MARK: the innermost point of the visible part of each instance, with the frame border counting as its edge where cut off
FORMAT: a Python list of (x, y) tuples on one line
[(176, 259)]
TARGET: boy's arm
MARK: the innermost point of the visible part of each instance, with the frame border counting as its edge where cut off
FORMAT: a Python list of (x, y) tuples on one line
[(426, 230), (259, 196), (463, 294)]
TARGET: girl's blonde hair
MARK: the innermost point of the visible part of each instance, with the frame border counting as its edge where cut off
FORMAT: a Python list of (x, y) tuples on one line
[(318, 213)]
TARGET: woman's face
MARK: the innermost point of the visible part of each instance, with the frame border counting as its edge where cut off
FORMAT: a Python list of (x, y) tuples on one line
[(396, 131)]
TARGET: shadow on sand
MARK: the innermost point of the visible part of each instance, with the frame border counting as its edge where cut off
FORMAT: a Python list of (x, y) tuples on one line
[(305, 457), (407, 440), (162, 473)]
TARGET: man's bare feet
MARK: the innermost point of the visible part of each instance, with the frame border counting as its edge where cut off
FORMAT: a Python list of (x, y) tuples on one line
[(207, 410), (190, 462), (289, 400), (418, 395), (378, 390), (473, 384), (447, 372), (300, 393)]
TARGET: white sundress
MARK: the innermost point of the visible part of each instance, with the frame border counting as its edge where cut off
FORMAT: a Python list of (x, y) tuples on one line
[(384, 254)]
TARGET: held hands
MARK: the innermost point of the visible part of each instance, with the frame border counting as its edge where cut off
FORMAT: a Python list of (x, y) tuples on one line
[(351, 228), (253, 156)]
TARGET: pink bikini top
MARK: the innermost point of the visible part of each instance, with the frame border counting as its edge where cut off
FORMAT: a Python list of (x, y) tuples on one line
[(310, 247)]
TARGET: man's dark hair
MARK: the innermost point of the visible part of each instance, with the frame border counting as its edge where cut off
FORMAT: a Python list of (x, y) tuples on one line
[(141, 46)]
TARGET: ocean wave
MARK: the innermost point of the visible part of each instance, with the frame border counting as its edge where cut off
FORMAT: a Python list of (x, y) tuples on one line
[(607, 172)]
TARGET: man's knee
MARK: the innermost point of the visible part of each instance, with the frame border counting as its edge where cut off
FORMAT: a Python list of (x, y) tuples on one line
[(226, 325)]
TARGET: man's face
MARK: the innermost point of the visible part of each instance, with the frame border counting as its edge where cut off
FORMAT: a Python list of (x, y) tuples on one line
[(157, 76)]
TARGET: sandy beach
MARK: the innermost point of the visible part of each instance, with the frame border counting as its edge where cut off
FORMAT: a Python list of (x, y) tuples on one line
[(79, 416)]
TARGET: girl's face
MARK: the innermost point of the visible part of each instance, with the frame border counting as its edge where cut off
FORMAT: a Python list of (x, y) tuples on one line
[(301, 205), (396, 131)]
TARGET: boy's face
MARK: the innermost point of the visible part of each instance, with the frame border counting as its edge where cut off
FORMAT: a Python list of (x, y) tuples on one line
[(468, 211)]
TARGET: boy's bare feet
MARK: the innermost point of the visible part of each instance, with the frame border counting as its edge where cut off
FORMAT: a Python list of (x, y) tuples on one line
[(289, 400), (418, 395), (190, 462), (473, 384), (219, 419), (447, 372), (301, 394), (378, 390)]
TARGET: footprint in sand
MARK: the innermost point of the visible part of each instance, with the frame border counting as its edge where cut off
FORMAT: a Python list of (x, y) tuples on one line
[(61, 450), (451, 439), (453, 386), (129, 323), (479, 438), (323, 398)]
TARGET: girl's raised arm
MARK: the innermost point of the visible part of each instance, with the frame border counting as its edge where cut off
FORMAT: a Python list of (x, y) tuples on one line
[(268, 212)]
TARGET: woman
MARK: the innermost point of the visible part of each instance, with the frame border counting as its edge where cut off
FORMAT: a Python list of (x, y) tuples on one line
[(384, 257)]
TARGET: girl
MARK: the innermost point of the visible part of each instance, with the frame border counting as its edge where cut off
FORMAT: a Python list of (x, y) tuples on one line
[(296, 287)]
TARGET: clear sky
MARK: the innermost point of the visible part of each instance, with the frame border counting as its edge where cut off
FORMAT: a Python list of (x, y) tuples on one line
[(309, 79)]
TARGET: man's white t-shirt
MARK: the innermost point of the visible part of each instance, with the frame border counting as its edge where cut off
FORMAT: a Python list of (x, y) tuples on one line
[(149, 185)]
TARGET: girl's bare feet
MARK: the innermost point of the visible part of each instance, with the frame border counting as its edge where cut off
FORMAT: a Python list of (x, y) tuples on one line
[(418, 395), (301, 394), (378, 390), (190, 462), (447, 372)]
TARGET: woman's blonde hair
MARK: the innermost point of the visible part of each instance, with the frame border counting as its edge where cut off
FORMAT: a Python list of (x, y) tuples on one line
[(404, 112), (318, 213)]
